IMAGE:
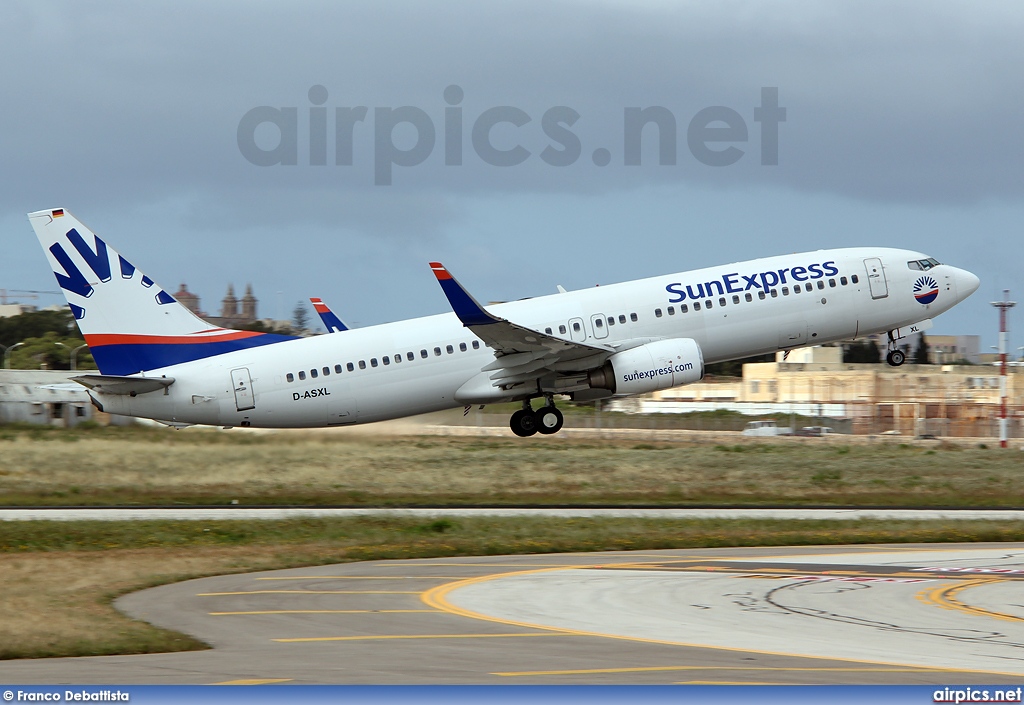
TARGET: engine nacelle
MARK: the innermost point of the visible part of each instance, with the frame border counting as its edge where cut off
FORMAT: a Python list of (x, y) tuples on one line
[(650, 367)]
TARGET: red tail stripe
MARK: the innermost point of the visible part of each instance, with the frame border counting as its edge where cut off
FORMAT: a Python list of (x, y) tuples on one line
[(98, 339), (439, 271)]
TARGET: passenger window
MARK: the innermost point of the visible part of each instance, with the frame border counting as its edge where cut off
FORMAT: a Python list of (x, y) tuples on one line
[(476, 344), (410, 357), (561, 329), (437, 352), (338, 369), (721, 301), (611, 320), (748, 297), (785, 291), (671, 310), (683, 308), (373, 362), (398, 358), (821, 285), (386, 360), (423, 353), (797, 289), (290, 377), (854, 278), (707, 304), (598, 323), (449, 349), (696, 305), (302, 375), (735, 298), (775, 293), (632, 317), (462, 347), (326, 371), (350, 367), (622, 319), (548, 330), (842, 280), (362, 364), (761, 295), (576, 327), (657, 313), (832, 283), (312, 373)]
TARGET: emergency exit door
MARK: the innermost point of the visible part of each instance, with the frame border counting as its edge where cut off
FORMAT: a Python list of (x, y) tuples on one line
[(243, 389)]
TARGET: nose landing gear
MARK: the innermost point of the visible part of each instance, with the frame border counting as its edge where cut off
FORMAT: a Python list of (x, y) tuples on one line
[(546, 420), (896, 357)]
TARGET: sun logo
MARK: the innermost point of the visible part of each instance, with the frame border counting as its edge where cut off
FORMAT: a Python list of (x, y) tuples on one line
[(926, 290)]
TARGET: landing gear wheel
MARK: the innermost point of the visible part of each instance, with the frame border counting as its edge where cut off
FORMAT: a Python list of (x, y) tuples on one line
[(523, 423), (548, 420), (896, 358)]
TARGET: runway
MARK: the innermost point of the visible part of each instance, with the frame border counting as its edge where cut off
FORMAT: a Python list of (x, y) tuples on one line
[(227, 513), (935, 614)]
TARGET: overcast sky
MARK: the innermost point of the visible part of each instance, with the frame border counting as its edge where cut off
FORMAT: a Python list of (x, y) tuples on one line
[(904, 126)]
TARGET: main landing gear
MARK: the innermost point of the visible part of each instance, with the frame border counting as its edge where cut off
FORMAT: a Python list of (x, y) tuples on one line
[(545, 420)]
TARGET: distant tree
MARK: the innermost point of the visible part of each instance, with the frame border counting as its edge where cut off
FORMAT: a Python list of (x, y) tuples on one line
[(921, 352), (35, 324), (50, 351), (865, 351), (300, 316)]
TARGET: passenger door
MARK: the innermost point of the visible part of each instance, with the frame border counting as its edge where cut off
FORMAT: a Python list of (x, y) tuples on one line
[(242, 383), (876, 278)]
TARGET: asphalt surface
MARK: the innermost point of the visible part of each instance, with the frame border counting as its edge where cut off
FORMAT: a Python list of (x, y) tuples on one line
[(924, 614), (213, 513)]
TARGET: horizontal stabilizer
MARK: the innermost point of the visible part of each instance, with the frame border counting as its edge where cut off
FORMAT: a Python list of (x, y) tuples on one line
[(111, 384)]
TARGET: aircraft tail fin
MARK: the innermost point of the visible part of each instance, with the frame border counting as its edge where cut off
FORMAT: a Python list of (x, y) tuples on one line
[(331, 321), (130, 323)]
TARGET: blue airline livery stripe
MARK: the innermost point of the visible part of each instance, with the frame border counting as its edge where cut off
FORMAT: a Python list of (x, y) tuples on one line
[(736, 283), (130, 358)]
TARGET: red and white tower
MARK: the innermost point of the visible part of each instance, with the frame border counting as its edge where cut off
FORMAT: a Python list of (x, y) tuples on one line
[(1003, 306)]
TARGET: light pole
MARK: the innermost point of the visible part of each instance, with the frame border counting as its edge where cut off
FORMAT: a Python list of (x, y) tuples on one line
[(74, 356), (7, 355), (1003, 306), (60, 344)]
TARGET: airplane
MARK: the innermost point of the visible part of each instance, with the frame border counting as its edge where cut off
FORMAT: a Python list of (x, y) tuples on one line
[(332, 323), (158, 360)]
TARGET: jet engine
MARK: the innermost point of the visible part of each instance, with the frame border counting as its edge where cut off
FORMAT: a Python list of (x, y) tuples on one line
[(650, 367)]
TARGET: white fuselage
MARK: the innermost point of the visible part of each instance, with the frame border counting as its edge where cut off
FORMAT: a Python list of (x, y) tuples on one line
[(205, 391)]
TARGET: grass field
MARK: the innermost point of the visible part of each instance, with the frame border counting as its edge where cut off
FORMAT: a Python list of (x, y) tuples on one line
[(205, 467), (59, 578)]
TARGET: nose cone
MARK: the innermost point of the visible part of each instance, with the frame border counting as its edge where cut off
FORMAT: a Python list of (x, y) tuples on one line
[(966, 283)]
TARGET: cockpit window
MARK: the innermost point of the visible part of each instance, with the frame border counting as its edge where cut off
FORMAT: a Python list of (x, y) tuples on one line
[(923, 264)]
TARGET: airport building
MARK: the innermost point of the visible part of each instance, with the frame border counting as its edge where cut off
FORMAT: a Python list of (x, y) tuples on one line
[(944, 400), (48, 398)]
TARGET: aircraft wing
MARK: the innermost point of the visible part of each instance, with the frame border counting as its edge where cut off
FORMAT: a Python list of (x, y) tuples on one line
[(521, 353)]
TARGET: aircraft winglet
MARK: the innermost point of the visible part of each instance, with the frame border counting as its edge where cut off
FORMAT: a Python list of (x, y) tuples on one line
[(469, 311), (330, 319)]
